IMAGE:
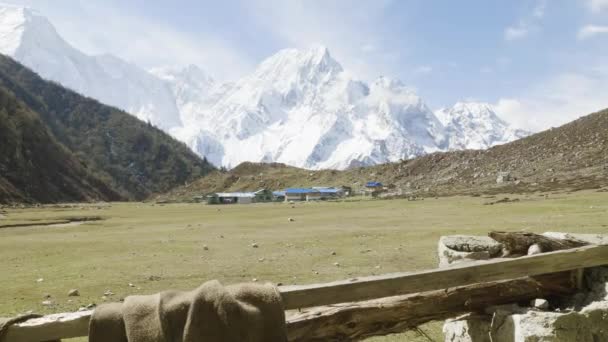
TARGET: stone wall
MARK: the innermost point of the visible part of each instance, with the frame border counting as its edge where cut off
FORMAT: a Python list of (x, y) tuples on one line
[(582, 317)]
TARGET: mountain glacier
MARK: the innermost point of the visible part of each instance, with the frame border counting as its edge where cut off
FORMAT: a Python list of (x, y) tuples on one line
[(298, 107)]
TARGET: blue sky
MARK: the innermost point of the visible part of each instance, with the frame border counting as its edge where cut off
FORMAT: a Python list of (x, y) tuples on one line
[(541, 62)]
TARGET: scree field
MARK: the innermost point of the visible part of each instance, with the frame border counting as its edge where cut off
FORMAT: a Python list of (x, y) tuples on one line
[(143, 248)]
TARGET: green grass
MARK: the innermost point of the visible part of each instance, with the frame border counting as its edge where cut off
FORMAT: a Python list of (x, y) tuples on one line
[(136, 241)]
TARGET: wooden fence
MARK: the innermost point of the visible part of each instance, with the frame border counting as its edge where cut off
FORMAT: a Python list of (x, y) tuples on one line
[(361, 307)]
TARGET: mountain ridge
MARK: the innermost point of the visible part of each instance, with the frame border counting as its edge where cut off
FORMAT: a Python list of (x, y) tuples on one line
[(568, 158), (102, 144), (299, 106), (302, 108)]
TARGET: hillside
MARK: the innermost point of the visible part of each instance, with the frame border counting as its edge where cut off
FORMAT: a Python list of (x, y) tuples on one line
[(572, 157), (35, 167), (71, 140)]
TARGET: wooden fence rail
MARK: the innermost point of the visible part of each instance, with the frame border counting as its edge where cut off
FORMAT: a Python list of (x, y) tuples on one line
[(486, 273)]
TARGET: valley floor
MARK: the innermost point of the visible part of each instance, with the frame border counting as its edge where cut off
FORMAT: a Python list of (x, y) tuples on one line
[(52, 249)]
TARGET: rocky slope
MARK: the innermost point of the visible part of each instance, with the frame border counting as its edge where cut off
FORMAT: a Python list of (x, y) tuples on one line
[(571, 157)]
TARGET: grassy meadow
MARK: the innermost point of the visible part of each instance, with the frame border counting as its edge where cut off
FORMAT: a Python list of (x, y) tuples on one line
[(143, 248)]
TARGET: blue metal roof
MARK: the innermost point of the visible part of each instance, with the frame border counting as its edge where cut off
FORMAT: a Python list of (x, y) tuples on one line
[(373, 184), (329, 191), (278, 193), (299, 191)]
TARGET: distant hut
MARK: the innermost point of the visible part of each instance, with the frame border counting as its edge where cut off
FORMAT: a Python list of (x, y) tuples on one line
[(263, 195), (346, 190), (235, 197), (373, 188), (278, 196), (213, 199), (302, 194), (329, 192)]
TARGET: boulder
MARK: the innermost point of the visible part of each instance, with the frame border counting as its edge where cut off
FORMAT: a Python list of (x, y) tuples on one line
[(470, 328), (540, 303), (583, 318), (503, 177), (588, 325)]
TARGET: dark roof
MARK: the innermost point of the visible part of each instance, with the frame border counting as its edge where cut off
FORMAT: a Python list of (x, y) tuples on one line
[(373, 184)]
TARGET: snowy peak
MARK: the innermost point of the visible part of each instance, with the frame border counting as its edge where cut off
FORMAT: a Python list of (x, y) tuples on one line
[(475, 125), (467, 112), (290, 67), (300, 107), (12, 25), (19, 25), (32, 40)]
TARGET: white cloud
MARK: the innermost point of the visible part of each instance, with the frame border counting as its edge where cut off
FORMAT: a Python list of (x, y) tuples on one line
[(592, 30), (527, 23), (516, 32), (598, 5), (557, 101)]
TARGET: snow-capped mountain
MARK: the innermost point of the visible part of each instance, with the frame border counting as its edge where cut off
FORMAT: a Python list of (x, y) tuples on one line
[(190, 86), (299, 107), (32, 40), (475, 125)]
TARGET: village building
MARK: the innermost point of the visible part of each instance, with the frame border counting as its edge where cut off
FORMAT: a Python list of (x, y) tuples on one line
[(329, 192), (231, 198), (347, 191), (373, 188), (263, 195), (260, 196), (302, 194), (278, 196)]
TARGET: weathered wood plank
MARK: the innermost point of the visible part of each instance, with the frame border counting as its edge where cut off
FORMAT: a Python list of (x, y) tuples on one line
[(518, 243), (365, 288), (51, 327), (351, 321), (356, 321), (354, 290)]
